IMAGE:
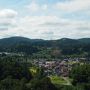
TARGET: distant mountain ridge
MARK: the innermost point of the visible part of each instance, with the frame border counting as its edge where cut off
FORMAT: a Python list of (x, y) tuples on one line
[(24, 39), (30, 46)]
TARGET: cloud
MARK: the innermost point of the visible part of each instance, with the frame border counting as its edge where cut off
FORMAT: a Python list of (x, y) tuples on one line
[(7, 19), (8, 13), (48, 27), (51, 27), (73, 5), (35, 7), (45, 24)]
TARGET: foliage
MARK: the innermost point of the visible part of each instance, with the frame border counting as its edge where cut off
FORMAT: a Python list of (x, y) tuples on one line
[(57, 80), (46, 48), (81, 74), (41, 84)]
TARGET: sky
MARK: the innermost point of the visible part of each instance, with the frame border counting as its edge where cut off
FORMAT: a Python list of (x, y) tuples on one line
[(45, 19)]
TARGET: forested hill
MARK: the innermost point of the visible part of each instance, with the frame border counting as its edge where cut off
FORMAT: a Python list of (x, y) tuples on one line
[(65, 45)]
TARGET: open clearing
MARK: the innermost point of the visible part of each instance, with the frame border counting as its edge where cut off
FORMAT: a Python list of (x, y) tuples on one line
[(60, 80)]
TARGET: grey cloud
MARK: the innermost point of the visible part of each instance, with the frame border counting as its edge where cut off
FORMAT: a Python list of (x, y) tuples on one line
[(3, 28), (84, 28), (5, 24), (54, 24)]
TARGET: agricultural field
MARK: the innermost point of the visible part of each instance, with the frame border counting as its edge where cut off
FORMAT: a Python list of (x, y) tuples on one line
[(57, 80)]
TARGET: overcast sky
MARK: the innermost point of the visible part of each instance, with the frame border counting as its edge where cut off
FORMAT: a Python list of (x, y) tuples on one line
[(45, 19)]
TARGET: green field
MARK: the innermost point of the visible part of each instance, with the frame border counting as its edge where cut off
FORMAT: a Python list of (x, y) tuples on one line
[(33, 70), (60, 80)]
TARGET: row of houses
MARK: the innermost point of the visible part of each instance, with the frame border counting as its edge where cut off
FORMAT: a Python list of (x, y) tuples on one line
[(60, 68)]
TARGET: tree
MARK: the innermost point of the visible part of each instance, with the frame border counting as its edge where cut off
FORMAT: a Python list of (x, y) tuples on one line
[(81, 74), (41, 84)]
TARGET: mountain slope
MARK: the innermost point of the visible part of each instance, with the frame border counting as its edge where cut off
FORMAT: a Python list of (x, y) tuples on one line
[(65, 45)]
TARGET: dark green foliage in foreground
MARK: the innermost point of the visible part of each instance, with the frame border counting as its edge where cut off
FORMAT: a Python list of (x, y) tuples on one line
[(41, 84), (13, 75), (81, 77), (17, 76), (14, 69), (81, 74), (13, 84)]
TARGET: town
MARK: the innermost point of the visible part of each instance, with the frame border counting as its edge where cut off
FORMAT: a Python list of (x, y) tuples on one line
[(57, 66)]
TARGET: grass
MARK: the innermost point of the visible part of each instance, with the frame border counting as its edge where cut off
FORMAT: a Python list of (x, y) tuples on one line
[(33, 70), (60, 80), (57, 80), (72, 62)]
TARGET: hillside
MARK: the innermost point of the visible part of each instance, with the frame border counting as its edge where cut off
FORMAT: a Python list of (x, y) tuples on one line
[(29, 46)]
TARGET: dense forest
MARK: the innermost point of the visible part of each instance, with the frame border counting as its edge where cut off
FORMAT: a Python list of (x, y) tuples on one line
[(15, 75), (41, 48)]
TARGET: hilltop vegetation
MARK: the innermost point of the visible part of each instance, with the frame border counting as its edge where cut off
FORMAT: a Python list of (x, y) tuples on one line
[(41, 48), (15, 75)]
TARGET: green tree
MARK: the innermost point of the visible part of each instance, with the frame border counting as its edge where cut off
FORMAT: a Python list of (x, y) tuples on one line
[(81, 74), (41, 84)]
